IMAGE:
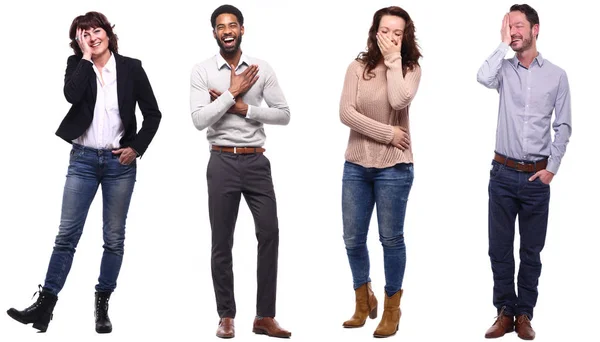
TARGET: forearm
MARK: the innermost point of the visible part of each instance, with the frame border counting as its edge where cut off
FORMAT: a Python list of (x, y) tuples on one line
[(269, 115), (489, 71), (366, 126), (204, 112), (77, 78), (401, 88), (558, 148)]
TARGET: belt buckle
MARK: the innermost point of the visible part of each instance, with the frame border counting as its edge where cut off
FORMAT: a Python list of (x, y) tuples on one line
[(522, 164), (234, 149)]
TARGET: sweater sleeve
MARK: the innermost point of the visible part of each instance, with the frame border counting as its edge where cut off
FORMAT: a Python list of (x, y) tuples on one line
[(351, 117), (401, 88)]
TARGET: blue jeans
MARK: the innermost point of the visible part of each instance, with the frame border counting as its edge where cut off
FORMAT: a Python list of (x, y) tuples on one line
[(89, 168), (511, 194), (362, 188)]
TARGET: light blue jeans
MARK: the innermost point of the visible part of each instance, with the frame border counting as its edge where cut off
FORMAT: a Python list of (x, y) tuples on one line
[(89, 168), (362, 189)]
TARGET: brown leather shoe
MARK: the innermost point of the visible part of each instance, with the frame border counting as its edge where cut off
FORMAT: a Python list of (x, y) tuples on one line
[(523, 328), (503, 324), (226, 328), (366, 306), (390, 319), (269, 326)]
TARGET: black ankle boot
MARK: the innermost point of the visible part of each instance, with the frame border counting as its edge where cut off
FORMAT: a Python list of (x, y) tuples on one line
[(103, 324), (39, 313)]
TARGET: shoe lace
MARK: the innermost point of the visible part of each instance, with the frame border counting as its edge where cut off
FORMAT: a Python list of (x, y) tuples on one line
[(39, 299), (524, 319), (497, 319), (102, 307)]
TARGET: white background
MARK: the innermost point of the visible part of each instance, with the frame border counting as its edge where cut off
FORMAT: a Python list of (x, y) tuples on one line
[(165, 288)]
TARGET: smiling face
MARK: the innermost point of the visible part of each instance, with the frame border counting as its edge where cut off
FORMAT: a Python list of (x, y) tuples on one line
[(228, 33), (393, 27), (97, 39), (521, 32)]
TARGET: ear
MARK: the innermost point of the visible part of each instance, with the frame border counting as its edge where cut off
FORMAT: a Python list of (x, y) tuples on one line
[(214, 33), (242, 30), (536, 30)]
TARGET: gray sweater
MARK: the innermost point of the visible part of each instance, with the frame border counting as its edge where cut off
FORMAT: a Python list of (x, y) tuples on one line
[(227, 129)]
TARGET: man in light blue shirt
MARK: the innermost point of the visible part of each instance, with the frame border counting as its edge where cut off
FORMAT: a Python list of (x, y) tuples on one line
[(525, 162)]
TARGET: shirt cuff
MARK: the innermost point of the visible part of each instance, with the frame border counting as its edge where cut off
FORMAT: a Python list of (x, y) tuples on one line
[(230, 94)]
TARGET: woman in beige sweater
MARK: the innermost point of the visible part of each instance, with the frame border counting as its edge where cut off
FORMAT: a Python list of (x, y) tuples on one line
[(378, 89)]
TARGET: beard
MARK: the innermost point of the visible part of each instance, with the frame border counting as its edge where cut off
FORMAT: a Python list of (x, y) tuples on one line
[(229, 50), (525, 43)]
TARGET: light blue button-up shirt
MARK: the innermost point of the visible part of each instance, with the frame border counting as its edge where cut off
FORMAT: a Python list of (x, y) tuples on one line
[(527, 98)]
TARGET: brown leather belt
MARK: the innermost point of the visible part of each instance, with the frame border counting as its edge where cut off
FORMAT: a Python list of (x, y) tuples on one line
[(522, 166), (238, 150)]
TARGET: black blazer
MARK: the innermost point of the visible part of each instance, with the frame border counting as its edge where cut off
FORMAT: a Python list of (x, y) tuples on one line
[(132, 86)]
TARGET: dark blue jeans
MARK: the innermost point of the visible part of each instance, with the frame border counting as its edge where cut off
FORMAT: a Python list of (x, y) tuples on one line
[(89, 168), (362, 189), (512, 195)]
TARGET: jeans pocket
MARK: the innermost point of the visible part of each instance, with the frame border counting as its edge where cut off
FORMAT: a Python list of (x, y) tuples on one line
[(75, 155), (495, 169)]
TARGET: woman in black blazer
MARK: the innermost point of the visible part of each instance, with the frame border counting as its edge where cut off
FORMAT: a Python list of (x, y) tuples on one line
[(103, 88)]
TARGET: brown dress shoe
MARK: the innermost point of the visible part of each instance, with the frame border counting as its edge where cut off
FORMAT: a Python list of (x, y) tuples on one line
[(390, 319), (269, 326), (226, 328), (503, 324), (366, 306), (523, 328)]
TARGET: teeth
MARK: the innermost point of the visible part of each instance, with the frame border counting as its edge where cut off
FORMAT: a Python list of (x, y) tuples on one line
[(228, 39)]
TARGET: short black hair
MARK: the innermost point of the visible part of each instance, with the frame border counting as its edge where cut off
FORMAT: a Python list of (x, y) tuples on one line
[(530, 13), (226, 9)]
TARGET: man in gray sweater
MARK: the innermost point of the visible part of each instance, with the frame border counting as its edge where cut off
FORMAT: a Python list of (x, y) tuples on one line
[(225, 98)]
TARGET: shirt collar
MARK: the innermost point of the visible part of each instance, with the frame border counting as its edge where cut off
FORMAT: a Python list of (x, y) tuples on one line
[(221, 62), (539, 59), (111, 64)]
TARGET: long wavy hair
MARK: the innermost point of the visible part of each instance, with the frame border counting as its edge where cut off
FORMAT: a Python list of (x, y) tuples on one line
[(409, 51), (93, 20)]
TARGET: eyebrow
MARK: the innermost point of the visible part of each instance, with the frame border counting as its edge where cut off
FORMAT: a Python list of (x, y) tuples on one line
[(385, 27), (229, 23)]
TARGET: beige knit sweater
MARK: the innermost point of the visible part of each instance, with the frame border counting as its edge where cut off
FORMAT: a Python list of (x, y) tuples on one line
[(371, 109)]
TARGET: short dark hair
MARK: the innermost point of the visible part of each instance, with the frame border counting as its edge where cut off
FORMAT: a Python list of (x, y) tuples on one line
[(530, 13), (93, 20), (226, 9)]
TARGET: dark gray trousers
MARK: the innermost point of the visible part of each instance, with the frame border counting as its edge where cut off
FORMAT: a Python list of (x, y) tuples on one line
[(229, 176)]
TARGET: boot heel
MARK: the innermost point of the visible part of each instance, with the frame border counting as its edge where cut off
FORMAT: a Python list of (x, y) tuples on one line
[(373, 313), (42, 323), (41, 326)]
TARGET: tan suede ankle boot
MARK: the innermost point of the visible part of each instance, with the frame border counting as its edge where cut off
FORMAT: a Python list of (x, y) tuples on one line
[(391, 316), (366, 305)]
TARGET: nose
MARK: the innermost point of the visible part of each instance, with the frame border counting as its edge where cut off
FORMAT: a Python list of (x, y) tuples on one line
[(513, 31)]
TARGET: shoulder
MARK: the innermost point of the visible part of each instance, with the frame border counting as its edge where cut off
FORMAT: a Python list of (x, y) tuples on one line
[(356, 66), (416, 69), (262, 64), (73, 58), (134, 62), (205, 64), (553, 68)]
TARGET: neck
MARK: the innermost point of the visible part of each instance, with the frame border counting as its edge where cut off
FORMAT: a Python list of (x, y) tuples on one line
[(526, 57), (232, 58), (100, 61)]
